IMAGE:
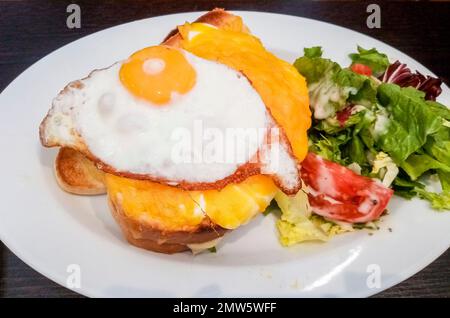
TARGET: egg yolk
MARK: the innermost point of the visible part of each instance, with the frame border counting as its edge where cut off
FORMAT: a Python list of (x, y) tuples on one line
[(157, 72)]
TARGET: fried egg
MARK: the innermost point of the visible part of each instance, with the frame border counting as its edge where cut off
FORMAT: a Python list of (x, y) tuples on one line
[(165, 115)]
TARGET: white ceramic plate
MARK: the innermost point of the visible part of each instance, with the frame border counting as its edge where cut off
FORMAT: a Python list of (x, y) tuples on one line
[(50, 229)]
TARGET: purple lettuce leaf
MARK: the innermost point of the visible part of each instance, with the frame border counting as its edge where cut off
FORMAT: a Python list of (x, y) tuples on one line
[(399, 73)]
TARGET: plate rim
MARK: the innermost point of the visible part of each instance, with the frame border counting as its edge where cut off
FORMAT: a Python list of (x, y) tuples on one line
[(41, 268)]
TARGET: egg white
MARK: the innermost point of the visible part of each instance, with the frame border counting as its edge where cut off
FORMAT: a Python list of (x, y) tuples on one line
[(135, 136)]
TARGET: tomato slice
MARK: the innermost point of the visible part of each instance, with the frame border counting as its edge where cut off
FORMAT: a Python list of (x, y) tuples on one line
[(338, 193), (361, 69)]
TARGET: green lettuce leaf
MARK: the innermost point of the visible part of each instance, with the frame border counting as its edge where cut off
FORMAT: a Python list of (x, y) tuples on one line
[(438, 145), (411, 121), (315, 51), (332, 126), (406, 188), (410, 189), (356, 152), (439, 201), (439, 109), (326, 97), (329, 147), (330, 86), (367, 93), (294, 226), (444, 178), (378, 62), (298, 224), (315, 68), (417, 165)]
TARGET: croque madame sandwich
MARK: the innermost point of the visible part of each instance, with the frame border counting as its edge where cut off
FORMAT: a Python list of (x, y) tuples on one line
[(130, 130)]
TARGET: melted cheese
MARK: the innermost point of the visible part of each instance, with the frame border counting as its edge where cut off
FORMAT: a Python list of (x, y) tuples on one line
[(173, 209), (282, 89)]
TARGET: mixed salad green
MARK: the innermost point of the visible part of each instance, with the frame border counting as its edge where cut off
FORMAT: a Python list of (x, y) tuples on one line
[(378, 119), (381, 120)]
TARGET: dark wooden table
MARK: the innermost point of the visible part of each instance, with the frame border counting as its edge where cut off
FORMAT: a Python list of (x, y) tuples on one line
[(30, 30)]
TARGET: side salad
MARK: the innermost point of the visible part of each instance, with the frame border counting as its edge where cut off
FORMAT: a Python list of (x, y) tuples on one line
[(380, 121)]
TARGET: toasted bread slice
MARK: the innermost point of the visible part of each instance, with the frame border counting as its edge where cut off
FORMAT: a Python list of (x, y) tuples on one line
[(78, 175), (218, 18), (169, 242)]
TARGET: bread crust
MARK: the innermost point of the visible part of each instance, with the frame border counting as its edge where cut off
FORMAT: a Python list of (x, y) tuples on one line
[(217, 17), (78, 175), (169, 242)]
